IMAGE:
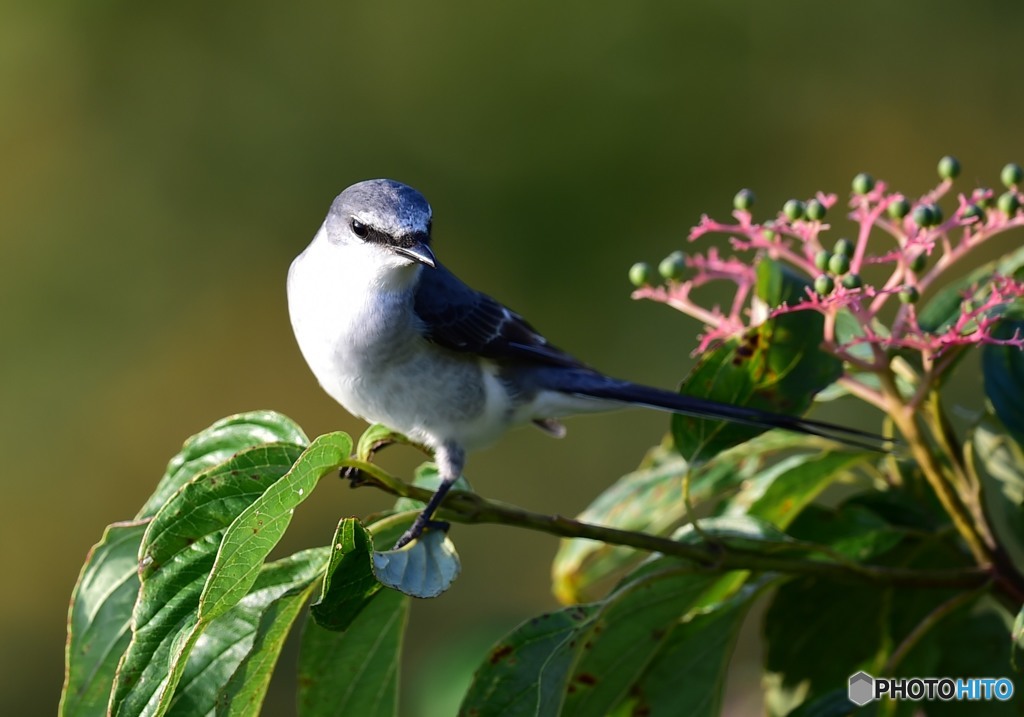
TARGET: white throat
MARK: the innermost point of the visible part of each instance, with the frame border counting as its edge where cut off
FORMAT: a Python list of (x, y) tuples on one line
[(343, 296)]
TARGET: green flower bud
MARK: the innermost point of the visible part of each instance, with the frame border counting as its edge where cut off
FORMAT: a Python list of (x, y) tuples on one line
[(852, 281), (923, 216), (839, 264), (863, 183), (919, 262), (899, 208), (949, 167), (640, 274), (973, 211), (793, 209), (824, 285), (673, 266), (909, 294), (744, 200), (844, 247), (821, 259), (1008, 203), (815, 210), (1012, 174)]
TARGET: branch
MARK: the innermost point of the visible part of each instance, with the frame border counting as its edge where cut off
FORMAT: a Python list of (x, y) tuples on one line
[(463, 507)]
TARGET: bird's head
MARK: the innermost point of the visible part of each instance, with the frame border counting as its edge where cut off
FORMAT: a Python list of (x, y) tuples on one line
[(387, 221)]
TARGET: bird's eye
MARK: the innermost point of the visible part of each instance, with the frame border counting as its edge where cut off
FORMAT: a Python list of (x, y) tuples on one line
[(430, 226), (360, 229)]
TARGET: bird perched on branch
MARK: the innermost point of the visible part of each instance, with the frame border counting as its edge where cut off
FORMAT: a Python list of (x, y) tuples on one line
[(397, 339)]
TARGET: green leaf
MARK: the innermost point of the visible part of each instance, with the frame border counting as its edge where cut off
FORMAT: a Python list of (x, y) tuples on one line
[(376, 437), (1017, 637), (777, 366), (781, 492), (202, 553), (805, 616), (216, 444), (648, 500), (700, 648), (584, 660), (246, 689), (851, 529), (424, 568), (526, 673), (834, 704), (945, 307), (972, 641), (99, 619), (257, 529), (998, 461), (354, 672), (230, 668), (739, 531), (349, 583), (179, 549), (1003, 371), (629, 633), (858, 625), (651, 500)]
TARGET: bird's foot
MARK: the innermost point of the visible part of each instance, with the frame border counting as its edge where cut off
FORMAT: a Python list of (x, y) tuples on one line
[(354, 476), (416, 530)]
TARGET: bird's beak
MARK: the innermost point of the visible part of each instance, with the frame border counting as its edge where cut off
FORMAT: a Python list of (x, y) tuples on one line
[(418, 252)]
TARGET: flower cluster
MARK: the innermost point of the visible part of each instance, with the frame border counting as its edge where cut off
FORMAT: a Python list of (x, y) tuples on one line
[(920, 246)]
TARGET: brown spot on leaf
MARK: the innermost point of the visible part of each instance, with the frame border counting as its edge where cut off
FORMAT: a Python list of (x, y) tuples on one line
[(499, 653), (585, 678)]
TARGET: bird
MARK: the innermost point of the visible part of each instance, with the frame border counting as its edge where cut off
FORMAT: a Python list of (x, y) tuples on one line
[(396, 338)]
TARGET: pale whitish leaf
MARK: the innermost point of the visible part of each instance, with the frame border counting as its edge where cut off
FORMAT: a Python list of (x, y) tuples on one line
[(424, 568), (999, 463)]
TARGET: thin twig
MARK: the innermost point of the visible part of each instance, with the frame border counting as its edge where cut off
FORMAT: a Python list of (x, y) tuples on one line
[(922, 628), (463, 507)]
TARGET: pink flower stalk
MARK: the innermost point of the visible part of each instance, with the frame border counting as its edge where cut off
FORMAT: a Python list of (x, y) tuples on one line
[(915, 234)]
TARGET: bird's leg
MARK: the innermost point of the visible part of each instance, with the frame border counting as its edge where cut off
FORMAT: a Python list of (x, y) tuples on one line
[(450, 459)]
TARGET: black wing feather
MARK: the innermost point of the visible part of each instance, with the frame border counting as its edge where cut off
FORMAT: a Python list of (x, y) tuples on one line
[(462, 319)]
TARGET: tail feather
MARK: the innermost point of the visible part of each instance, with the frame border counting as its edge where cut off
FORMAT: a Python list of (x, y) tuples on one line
[(595, 385)]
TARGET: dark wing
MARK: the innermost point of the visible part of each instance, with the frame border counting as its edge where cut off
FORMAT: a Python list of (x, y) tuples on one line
[(463, 319)]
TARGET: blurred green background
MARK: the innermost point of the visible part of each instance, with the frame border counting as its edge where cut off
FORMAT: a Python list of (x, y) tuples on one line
[(163, 163)]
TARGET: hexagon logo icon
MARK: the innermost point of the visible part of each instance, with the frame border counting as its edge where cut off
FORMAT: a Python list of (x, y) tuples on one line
[(862, 688)]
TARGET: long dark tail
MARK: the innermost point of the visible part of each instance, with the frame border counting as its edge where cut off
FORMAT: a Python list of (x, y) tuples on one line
[(596, 385)]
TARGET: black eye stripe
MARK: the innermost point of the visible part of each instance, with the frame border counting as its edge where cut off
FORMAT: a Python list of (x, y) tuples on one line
[(370, 234)]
